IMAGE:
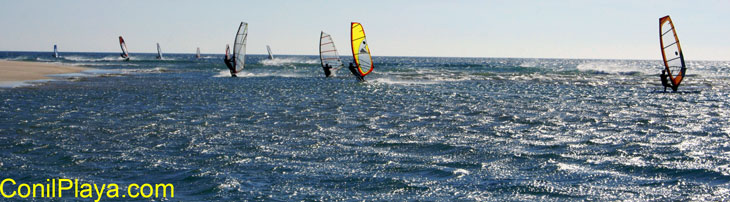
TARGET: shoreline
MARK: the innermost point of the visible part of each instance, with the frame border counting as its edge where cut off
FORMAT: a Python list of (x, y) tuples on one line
[(19, 73)]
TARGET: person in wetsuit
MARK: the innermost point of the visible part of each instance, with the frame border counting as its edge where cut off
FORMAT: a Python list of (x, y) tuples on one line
[(229, 63), (665, 81), (327, 71), (354, 72)]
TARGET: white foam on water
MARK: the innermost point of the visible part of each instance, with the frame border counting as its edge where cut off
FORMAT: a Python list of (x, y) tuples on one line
[(17, 84), (90, 59), (608, 67), (286, 61), (398, 81), (17, 58), (83, 64), (528, 64), (71, 75), (244, 74)]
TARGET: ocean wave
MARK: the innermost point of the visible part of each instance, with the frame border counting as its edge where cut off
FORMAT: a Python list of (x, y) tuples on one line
[(244, 74), (286, 61), (91, 59), (615, 68)]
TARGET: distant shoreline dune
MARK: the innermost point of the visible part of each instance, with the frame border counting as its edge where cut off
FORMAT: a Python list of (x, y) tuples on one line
[(16, 71)]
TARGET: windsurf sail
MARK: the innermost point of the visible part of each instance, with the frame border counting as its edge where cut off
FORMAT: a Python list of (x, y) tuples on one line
[(271, 56), (239, 47), (328, 52), (360, 50), (197, 53), (159, 51), (55, 51), (124, 54), (671, 51)]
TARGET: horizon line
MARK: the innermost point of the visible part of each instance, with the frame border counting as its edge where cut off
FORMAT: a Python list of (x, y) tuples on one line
[(427, 56)]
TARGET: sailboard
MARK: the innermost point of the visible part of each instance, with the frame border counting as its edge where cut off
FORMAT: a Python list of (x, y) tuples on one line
[(328, 55), (271, 56), (239, 47), (671, 52), (55, 51), (159, 52), (197, 53), (124, 54), (360, 50)]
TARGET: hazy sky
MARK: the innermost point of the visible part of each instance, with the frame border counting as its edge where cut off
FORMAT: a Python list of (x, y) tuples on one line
[(618, 29)]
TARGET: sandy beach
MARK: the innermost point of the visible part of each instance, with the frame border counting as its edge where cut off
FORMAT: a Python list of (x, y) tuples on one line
[(14, 71)]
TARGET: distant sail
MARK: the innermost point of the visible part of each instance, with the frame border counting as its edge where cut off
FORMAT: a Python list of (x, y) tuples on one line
[(360, 49), (328, 52), (197, 53), (671, 51), (159, 51), (271, 56), (55, 51), (239, 47), (124, 54)]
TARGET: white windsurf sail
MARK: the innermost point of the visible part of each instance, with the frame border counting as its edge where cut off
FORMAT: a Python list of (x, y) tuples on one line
[(671, 51), (328, 52), (271, 56), (239, 47), (55, 51), (122, 44), (197, 53), (159, 51)]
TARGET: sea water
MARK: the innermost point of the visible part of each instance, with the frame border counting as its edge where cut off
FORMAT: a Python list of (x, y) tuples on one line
[(419, 128)]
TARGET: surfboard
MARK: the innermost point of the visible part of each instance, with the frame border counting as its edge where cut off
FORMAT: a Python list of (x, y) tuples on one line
[(328, 52), (122, 44), (159, 52), (239, 47), (360, 50), (271, 56), (672, 55)]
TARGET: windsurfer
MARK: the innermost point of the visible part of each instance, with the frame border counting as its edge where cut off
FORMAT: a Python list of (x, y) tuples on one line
[(327, 71), (354, 72), (229, 63), (665, 81)]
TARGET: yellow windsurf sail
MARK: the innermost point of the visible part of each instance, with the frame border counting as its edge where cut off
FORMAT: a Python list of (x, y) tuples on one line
[(360, 49), (671, 51)]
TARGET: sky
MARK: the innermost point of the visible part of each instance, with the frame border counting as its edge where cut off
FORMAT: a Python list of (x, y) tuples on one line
[(615, 29)]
